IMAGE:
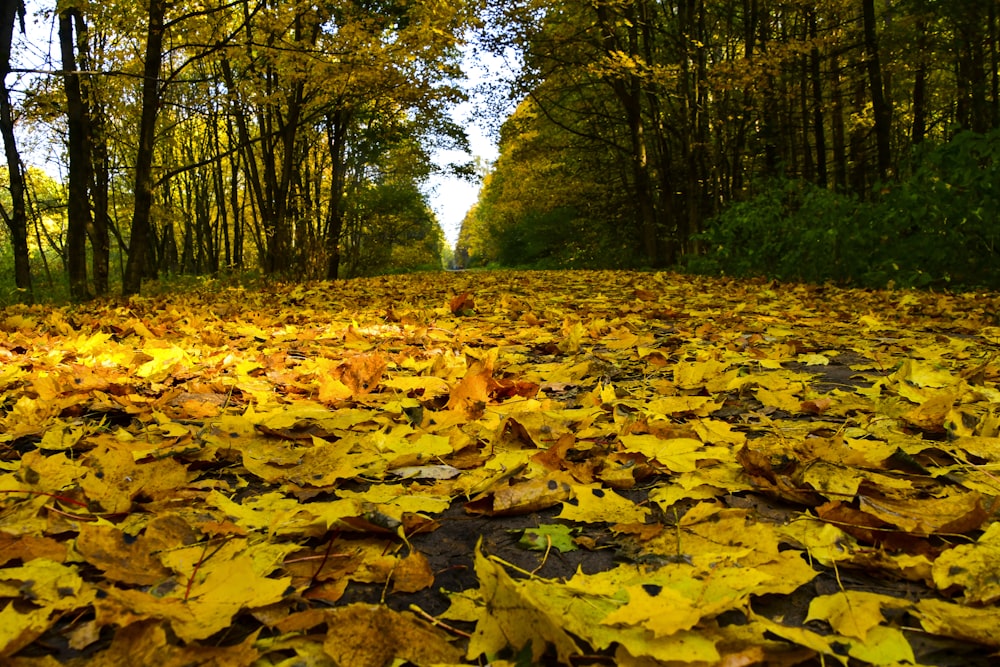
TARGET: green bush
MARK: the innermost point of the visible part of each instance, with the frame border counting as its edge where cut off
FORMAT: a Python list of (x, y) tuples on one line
[(792, 230), (939, 226)]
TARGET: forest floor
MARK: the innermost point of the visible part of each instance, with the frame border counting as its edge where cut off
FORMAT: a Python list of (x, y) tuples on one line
[(507, 467)]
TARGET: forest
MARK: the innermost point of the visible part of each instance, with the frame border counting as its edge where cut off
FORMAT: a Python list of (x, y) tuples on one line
[(285, 138), (247, 420), (827, 140), (830, 140)]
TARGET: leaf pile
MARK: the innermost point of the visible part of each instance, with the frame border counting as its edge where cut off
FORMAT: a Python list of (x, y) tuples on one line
[(700, 471)]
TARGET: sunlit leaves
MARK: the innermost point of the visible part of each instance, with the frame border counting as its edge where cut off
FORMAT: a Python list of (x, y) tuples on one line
[(685, 431)]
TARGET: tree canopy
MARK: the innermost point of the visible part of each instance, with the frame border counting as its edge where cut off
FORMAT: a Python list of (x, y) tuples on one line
[(664, 130), (204, 137)]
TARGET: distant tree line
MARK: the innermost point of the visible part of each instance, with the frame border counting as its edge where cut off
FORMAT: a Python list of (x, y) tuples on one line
[(197, 137), (827, 139)]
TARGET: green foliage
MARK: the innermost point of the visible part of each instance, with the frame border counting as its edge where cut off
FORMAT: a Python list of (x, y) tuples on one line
[(560, 238), (535, 239), (938, 227), (791, 230), (391, 229)]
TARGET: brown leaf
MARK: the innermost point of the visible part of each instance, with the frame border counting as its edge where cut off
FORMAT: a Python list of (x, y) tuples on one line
[(365, 635), (361, 374), (29, 547), (523, 497), (463, 304), (412, 574)]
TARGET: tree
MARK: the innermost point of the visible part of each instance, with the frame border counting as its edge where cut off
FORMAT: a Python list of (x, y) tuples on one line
[(78, 212), (141, 225), (881, 105), (17, 218), (700, 104)]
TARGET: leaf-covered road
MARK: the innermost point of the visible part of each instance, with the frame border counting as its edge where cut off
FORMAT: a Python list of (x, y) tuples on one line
[(576, 467)]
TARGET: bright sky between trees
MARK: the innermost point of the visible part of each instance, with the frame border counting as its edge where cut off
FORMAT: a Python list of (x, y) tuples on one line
[(452, 197)]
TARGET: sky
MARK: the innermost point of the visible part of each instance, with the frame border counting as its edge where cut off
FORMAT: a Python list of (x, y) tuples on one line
[(450, 197)]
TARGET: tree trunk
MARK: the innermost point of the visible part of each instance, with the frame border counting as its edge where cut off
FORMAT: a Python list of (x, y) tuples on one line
[(994, 67), (661, 163), (100, 179), (698, 172), (819, 130), (837, 127), (859, 157), (628, 91), (336, 137), (17, 221), (881, 106), (141, 224), (808, 166), (769, 111), (974, 111), (78, 200)]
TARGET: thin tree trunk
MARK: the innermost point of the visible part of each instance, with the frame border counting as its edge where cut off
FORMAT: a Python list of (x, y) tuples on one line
[(78, 202), (859, 157), (837, 128), (769, 112), (17, 221), (97, 164), (819, 129), (629, 94), (139, 244), (698, 172), (661, 160), (881, 106), (808, 166), (980, 120), (918, 129), (994, 67), (336, 137)]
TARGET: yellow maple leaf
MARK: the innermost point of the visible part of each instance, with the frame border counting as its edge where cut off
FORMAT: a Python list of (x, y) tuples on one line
[(593, 503), (974, 624), (519, 617), (974, 567), (20, 628), (853, 613), (48, 584)]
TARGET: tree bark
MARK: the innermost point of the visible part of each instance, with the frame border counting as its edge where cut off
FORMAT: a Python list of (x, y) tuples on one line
[(838, 129), (819, 128), (769, 111), (993, 38), (17, 221), (629, 93), (78, 200), (97, 163), (141, 224), (974, 111), (881, 106), (336, 136)]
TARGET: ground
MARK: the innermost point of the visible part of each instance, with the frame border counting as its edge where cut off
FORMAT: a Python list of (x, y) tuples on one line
[(514, 467)]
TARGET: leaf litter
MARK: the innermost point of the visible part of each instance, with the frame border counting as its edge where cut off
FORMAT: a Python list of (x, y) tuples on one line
[(511, 467)]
